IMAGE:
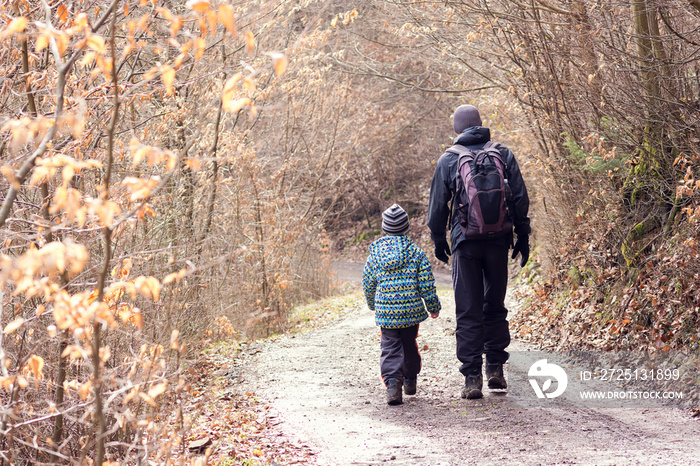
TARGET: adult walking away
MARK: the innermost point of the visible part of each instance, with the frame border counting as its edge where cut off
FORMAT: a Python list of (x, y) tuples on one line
[(480, 262)]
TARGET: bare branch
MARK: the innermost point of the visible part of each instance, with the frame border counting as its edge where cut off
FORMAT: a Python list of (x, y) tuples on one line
[(553, 8)]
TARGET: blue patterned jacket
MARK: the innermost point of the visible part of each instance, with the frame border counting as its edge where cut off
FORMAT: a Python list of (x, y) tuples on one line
[(397, 280)]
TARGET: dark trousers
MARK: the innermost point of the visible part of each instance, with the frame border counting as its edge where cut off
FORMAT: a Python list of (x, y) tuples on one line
[(400, 358), (479, 278)]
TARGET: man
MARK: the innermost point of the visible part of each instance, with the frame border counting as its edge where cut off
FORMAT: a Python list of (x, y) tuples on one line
[(479, 265)]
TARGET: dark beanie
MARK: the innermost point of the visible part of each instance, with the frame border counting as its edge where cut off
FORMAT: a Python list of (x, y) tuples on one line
[(395, 221), (465, 117)]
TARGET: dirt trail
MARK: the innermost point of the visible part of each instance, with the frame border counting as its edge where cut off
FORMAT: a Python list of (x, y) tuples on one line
[(324, 389)]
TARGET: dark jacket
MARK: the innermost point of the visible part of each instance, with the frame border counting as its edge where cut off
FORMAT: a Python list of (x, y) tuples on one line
[(444, 183)]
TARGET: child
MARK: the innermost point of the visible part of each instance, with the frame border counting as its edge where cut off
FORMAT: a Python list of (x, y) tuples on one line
[(399, 284)]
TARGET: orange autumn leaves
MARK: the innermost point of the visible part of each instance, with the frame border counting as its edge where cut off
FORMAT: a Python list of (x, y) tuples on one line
[(207, 18), (232, 99), (31, 271), (75, 312), (33, 368), (15, 26)]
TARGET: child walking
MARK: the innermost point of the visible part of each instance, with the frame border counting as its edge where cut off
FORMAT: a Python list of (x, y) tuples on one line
[(399, 285)]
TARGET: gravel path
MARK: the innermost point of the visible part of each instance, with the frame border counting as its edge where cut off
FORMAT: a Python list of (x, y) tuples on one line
[(323, 389)]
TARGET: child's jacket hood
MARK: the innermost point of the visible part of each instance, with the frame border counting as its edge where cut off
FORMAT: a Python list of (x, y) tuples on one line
[(390, 253)]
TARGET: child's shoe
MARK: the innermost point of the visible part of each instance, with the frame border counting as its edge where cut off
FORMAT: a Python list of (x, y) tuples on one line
[(393, 392), (409, 386)]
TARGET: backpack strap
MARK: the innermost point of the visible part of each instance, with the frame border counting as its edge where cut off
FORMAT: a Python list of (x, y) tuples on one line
[(465, 155), (497, 146), (490, 147), (460, 151)]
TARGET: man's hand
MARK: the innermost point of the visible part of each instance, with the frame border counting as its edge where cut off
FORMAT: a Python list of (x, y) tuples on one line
[(435, 315), (522, 246), (442, 251)]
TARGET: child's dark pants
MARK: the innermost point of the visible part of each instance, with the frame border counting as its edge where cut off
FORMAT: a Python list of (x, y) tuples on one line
[(400, 358)]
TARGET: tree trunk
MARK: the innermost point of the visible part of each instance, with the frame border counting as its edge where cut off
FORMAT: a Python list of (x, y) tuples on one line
[(645, 51)]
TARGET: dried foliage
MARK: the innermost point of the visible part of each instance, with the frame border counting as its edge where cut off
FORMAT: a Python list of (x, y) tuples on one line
[(145, 210), (232, 427), (171, 170)]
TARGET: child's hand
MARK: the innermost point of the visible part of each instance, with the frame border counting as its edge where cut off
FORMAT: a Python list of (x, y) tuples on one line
[(435, 316)]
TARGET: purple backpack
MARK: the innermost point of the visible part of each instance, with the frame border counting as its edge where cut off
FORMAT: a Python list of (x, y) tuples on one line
[(482, 196)]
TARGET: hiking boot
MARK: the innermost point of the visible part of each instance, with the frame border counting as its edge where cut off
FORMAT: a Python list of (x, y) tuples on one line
[(393, 392), (409, 386), (495, 378), (472, 387)]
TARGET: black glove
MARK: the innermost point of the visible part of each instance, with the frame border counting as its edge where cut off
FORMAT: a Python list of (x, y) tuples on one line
[(442, 251), (522, 246)]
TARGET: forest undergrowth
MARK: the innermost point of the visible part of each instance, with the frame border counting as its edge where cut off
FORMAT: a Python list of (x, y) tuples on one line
[(178, 173), (594, 296)]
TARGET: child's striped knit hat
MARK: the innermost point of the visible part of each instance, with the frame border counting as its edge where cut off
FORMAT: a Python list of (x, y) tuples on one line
[(395, 221)]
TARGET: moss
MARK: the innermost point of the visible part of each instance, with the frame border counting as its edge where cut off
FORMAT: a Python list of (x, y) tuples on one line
[(574, 276), (367, 236), (631, 250), (589, 276)]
